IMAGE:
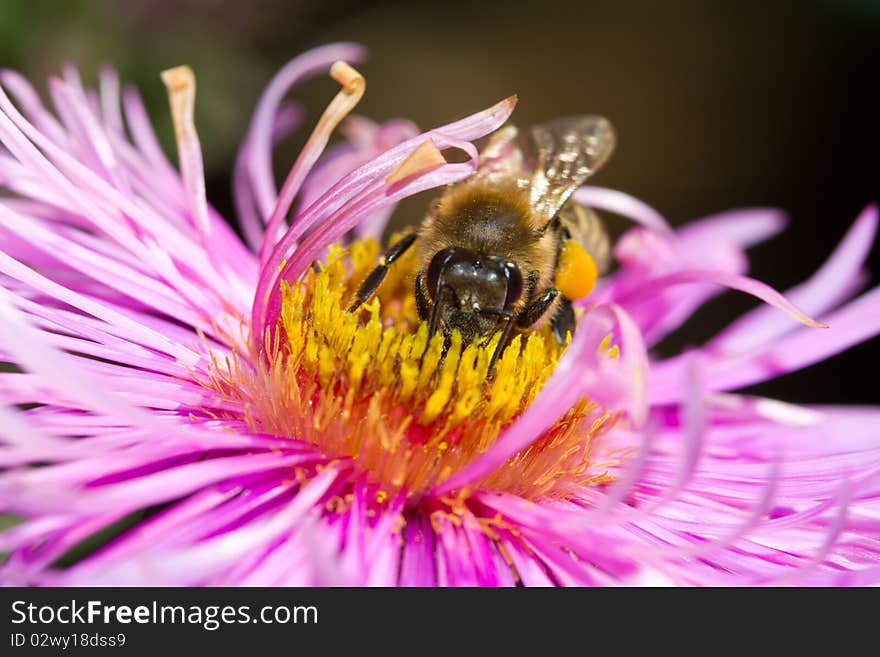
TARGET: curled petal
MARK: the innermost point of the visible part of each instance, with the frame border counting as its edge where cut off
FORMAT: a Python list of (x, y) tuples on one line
[(726, 279), (830, 285), (366, 191)]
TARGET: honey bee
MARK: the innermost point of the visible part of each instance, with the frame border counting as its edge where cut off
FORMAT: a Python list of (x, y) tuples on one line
[(508, 246)]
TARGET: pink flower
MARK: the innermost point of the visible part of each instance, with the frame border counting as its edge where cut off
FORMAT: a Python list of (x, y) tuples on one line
[(205, 403)]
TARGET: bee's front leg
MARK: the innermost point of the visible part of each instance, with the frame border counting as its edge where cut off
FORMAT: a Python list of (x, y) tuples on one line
[(535, 309), (374, 280)]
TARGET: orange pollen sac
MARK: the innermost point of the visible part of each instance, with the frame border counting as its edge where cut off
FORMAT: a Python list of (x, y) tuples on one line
[(577, 272), (409, 411)]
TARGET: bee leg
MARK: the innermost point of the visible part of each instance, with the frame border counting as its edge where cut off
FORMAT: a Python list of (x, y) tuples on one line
[(531, 284), (421, 301), (563, 321), (374, 280), (536, 308)]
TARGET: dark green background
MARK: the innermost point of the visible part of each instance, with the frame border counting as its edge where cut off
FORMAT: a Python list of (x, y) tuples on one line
[(717, 104)]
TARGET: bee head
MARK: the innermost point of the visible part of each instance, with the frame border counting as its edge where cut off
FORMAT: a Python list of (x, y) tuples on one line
[(472, 292)]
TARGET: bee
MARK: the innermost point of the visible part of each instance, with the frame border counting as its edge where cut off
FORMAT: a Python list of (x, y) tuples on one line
[(508, 245)]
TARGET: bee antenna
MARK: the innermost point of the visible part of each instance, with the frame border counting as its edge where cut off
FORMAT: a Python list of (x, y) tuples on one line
[(502, 343), (435, 310)]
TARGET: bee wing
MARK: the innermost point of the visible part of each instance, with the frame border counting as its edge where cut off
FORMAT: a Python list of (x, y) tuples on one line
[(564, 152), (552, 159), (504, 158)]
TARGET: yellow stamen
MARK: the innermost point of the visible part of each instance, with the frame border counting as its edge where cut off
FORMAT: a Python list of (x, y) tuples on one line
[(353, 87), (180, 83), (348, 78)]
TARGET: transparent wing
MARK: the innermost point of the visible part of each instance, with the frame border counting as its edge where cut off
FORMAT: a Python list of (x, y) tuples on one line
[(503, 158), (552, 159), (565, 152)]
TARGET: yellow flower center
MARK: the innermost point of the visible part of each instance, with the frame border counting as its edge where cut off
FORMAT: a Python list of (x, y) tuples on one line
[(371, 386)]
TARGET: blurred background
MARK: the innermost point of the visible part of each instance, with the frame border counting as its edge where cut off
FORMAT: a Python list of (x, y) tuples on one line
[(717, 105)]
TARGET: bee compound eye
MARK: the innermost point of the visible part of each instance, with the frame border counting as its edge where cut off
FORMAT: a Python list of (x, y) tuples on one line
[(514, 283)]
